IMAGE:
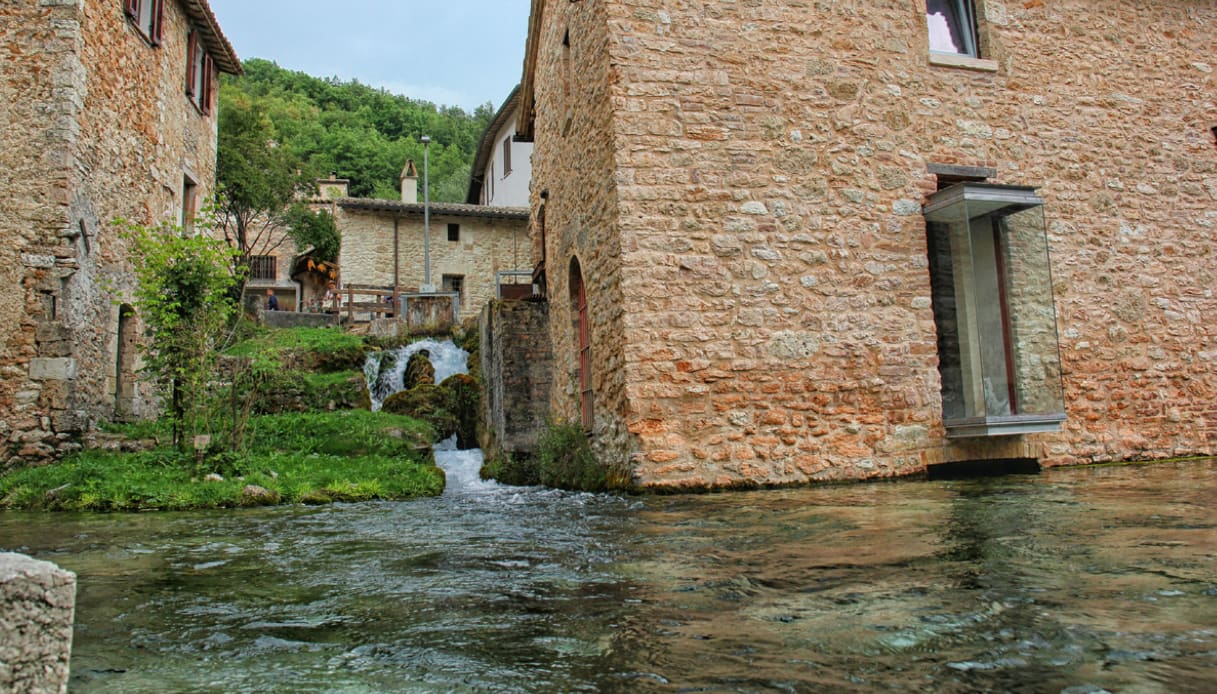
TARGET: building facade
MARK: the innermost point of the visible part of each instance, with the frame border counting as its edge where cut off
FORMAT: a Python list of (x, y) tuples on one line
[(109, 113), (502, 167), (786, 242)]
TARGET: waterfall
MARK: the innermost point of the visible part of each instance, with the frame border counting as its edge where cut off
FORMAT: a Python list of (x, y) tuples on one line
[(384, 370)]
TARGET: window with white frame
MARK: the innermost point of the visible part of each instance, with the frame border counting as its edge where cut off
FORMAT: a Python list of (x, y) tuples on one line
[(952, 27)]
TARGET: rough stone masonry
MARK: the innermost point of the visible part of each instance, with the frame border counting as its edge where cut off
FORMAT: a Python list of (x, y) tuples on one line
[(37, 600), (739, 185)]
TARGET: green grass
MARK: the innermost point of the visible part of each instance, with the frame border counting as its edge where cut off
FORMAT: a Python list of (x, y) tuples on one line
[(350, 455), (325, 349)]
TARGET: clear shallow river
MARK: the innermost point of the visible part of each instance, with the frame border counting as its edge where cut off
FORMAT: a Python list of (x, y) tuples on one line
[(1072, 580)]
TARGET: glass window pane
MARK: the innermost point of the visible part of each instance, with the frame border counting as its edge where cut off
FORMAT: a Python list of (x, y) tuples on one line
[(950, 26)]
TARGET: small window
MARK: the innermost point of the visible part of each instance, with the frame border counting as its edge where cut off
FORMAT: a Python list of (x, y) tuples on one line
[(952, 27), (262, 267), (189, 203), (507, 156), (454, 232), (453, 283), (991, 291), (147, 16), (199, 70)]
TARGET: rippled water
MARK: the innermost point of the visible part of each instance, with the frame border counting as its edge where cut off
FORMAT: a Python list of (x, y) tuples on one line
[(1072, 580)]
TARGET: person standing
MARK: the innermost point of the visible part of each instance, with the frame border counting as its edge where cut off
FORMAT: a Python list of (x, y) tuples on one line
[(272, 301)]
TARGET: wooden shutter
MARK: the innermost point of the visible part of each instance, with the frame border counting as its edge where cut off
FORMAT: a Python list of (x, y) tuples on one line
[(131, 9), (158, 20), (191, 47), (208, 70)]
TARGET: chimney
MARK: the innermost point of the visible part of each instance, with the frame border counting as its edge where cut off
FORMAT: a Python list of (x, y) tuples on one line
[(409, 182)]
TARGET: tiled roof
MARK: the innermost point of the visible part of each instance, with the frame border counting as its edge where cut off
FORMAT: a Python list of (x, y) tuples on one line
[(217, 44), (447, 209)]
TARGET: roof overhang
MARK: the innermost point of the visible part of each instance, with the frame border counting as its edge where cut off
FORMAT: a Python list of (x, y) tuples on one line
[(486, 145), (446, 209), (217, 44), (528, 108)]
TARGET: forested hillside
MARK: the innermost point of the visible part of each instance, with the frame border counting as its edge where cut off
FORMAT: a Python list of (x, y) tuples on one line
[(359, 132)]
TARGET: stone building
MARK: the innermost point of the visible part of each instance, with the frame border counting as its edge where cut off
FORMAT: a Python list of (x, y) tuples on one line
[(109, 112), (384, 243), (786, 242)]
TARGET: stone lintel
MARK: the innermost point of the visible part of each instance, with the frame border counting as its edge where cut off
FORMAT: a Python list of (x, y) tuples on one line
[(52, 369), (956, 171)]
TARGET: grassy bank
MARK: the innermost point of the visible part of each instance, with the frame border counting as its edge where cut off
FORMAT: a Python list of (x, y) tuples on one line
[(317, 457)]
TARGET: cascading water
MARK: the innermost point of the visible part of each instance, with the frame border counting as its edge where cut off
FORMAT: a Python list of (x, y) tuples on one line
[(385, 371)]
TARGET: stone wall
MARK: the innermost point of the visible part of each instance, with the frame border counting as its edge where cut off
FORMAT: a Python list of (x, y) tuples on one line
[(516, 371), (575, 165), (98, 127), (487, 245), (38, 600), (745, 181)]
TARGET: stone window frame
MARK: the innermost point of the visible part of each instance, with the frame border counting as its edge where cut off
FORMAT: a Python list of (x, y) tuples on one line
[(973, 57), (200, 68), (147, 17)]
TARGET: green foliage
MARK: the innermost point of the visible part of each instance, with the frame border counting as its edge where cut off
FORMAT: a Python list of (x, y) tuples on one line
[(183, 298), (314, 230), (302, 458), (257, 177), (509, 469), (565, 460), (322, 349), (359, 132)]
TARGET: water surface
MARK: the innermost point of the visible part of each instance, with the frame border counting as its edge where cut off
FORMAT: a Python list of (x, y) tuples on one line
[(1073, 580)]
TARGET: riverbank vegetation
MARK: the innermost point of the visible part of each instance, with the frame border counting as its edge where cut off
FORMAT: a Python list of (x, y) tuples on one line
[(316, 457), (284, 419)]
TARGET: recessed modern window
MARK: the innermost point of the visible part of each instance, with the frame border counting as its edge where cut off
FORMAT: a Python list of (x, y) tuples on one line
[(991, 287), (952, 27), (147, 16), (454, 232), (507, 156), (199, 70)]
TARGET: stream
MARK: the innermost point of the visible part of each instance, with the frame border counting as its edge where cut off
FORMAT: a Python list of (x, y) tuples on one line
[(1073, 580)]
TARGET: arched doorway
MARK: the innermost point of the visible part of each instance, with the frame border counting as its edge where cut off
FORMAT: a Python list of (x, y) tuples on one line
[(124, 365), (578, 305)]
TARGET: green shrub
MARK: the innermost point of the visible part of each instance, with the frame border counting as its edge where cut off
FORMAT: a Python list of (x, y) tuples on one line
[(509, 469), (565, 460)]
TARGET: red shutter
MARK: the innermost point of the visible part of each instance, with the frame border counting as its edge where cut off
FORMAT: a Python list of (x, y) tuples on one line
[(192, 45), (208, 69), (158, 16), (131, 9)]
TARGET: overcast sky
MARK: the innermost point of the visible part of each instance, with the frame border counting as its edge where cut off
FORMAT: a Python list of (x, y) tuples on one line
[(450, 52)]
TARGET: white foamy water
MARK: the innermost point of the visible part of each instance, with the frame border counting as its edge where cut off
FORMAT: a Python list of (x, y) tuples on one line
[(446, 357), (461, 469)]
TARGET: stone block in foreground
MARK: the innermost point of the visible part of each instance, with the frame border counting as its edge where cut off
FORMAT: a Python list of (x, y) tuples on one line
[(37, 604)]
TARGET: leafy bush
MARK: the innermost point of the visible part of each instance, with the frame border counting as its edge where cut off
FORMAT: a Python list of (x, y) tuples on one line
[(565, 460)]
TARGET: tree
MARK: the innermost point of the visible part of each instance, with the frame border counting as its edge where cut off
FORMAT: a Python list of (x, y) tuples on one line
[(313, 230), (257, 179), (184, 297)]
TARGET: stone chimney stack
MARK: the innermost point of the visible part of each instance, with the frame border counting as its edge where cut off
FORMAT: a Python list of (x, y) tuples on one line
[(409, 182)]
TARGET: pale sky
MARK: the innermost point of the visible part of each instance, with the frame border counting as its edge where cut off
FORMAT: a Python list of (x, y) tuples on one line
[(450, 52)]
